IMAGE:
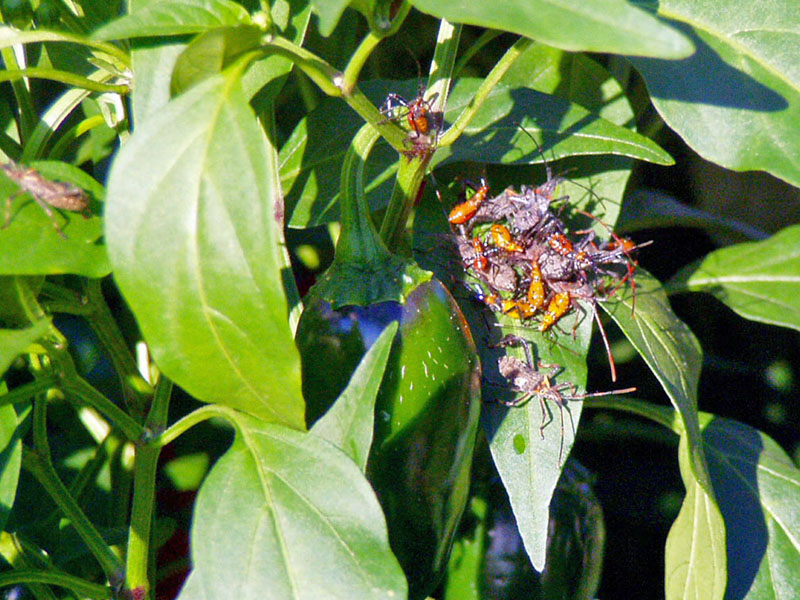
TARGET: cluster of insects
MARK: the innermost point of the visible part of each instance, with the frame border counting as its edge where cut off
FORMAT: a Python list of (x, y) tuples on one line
[(521, 261)]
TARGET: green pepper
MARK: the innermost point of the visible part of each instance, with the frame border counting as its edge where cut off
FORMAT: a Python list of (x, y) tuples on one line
[(427, 409)]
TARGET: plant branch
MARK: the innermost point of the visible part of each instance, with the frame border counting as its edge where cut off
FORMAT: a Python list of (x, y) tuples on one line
[(331, 81), (137, 391), (28, 391), (66, 77), (81, 587), (193, 418), (38, 463), (144, 492), (75, 385), (365, 48), (492, 79)]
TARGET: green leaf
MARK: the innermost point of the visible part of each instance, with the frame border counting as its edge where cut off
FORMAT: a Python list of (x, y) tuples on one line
[(348, 424), (669, 348), (31, 244), (651, 209), (313, 155), (329, 13), (758, 280), (10, 453), (286, 515), (14, 342), (736, 101), (568, 129), (674, 356), (758, 490), (174, 17), (212, 52), (695, 551), (600, 26), (152, 67), (196, 247), (528, 465)]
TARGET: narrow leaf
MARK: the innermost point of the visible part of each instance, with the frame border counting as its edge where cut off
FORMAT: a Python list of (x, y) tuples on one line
[(10, 455), (695, 552), (174, 17), (329, 12), (286, 515), (14, 342), (196, 248), (599, 26), (671, 351), (736, 101), (348, 424), (314, 152), (758, 280), (758, 490)]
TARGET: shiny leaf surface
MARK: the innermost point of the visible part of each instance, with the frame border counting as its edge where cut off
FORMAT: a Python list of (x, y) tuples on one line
[(285, 515), (184, 229)]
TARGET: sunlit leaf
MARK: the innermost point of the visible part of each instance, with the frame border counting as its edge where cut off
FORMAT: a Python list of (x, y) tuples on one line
[(174, 17), (10, 455), (348, 424), (196, 249), (736, 101), (599, 26), (13, 342), (286, 515), (758, 491), (695, 551), (758, 280)]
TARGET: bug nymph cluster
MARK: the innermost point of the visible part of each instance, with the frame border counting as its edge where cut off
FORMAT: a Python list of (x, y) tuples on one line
[(520, 260)]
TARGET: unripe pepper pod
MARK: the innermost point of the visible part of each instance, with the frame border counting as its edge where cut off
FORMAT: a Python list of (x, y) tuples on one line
[(427, 409)]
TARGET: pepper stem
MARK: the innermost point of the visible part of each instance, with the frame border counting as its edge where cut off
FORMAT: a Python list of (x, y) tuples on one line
[(364, 271)]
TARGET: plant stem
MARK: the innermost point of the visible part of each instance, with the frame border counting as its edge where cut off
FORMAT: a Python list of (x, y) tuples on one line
[(77, 386), (65, 77), (411, 172), (407, 186), (28, 391), (38, 463), (184, 424), (663, 415), (137, 391), (492, 79), (365, 48), (144, 486), (28, 37), (81, 587), (331, 82)]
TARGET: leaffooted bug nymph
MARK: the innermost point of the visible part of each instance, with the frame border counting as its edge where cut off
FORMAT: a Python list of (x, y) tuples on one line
[(524, 377), (45, 193)]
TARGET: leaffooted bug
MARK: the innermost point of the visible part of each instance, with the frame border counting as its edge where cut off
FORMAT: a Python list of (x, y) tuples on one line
[(45, 193)]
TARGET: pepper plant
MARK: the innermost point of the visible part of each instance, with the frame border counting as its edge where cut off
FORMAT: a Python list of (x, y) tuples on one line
[(210, 136)]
